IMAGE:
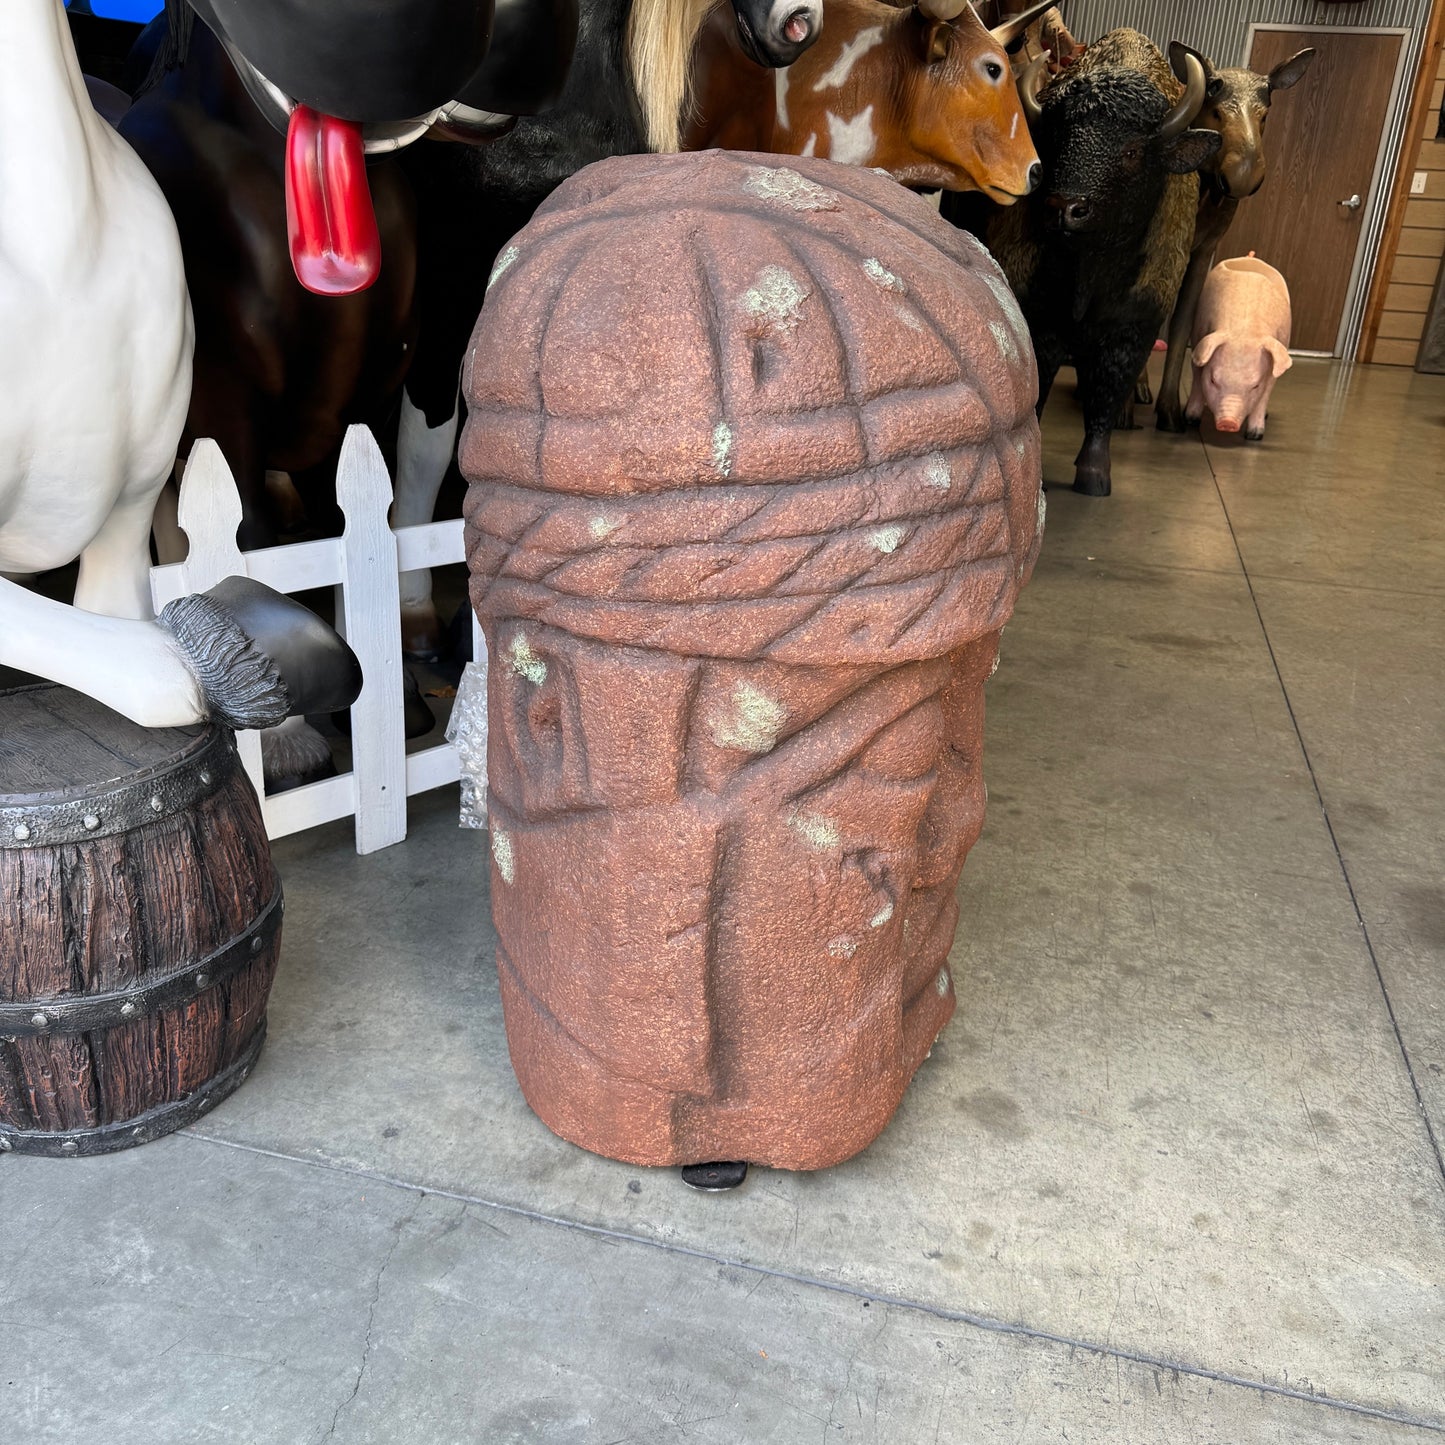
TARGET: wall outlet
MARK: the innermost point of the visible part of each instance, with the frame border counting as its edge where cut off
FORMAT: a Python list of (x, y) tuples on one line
[(1418, 182)]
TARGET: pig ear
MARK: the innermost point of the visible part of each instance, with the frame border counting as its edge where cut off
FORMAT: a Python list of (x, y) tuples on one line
[(1206, 346), (1279, 355)]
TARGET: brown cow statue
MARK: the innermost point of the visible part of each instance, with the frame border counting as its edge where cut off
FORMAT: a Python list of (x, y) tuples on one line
[(924, 93)]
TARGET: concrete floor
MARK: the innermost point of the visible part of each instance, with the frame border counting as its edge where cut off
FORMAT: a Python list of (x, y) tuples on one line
[(1172, 1175)]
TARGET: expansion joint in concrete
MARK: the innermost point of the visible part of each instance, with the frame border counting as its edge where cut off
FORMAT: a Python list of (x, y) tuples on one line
[(1360, 920), (937, 1312)]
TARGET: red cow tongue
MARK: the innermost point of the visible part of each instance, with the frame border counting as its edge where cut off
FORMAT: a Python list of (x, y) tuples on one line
[(335, 246)]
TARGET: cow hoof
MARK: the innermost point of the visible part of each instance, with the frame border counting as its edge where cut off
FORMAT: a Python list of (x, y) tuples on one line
[(1254, 436), (1193, 423), (421, 633), (260, 656), (1091, 482), (293, 755), (417, 717)]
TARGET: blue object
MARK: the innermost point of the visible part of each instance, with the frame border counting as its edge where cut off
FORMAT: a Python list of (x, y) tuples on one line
[(140, 11)]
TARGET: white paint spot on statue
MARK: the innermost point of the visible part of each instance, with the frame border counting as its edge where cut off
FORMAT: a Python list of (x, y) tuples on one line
[(810, 147), (909, 318), (1043, 511), (889, 539), (785, 187), (780, 90), (775, 298), (1007, 301), (882, 916), (936, 472), (993, 666), (502, 854), (602, 526), (525, 662), (1007, 346), (942, 983), (852, 142), (1013, 130), (722, 449), (880, 275), (818, 832), (754, 722), (843, 947), (502, 263), (837, 74)]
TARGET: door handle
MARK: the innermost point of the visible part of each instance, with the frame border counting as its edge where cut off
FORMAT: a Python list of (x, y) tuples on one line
[(1353, 204)]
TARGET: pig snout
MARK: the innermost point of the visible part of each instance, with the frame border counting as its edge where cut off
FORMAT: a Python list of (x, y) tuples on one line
[(1229, 410)]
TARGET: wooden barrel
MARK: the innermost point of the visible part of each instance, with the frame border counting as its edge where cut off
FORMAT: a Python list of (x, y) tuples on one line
[(140, 923)]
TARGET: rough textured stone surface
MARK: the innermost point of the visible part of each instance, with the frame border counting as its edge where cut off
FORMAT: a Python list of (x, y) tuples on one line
[(754, 485)]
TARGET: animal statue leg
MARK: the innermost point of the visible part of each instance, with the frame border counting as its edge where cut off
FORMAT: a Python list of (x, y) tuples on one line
[(423, 454), (170, 542), (1169, 413), (1049, 355), (134, 667), (1194, 408), (115, 567), (1254, 423), (1107, 373), (226, 407)]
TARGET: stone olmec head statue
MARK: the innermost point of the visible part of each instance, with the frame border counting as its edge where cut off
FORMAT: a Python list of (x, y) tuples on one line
[(754, 486)]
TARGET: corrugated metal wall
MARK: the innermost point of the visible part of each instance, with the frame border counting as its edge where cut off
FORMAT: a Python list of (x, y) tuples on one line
[(1220, 29)]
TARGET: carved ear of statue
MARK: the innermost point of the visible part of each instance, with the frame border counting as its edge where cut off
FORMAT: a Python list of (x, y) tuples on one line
[(938, 36), (1279, 358), (1187, 152), (938, 17), (1180, 66), (1287, 72), (1206, 346)]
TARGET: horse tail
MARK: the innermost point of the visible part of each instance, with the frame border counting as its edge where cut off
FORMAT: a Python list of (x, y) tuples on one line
[(175, 45), (661, 37)]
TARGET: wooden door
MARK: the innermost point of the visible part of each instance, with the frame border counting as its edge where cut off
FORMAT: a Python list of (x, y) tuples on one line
[(1322, 142)]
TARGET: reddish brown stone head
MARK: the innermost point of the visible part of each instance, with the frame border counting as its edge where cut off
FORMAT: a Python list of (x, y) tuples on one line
[(754, 485)]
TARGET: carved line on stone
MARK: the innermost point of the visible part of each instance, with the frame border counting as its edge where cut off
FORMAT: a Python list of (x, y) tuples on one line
[(863, 534), (535, 1001)]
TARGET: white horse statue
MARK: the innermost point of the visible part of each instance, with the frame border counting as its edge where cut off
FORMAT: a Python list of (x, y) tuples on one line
[(95, 380)]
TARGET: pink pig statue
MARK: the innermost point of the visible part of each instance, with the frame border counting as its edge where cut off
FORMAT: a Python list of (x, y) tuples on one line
[(1241, 344)]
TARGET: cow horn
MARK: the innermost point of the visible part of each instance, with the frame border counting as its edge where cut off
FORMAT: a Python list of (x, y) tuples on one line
[(1009, 32), (1028, 84), (1181, 117), (941, 9)]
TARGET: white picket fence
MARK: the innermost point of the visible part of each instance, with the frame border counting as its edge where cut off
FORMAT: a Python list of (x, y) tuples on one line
[(364, 565)]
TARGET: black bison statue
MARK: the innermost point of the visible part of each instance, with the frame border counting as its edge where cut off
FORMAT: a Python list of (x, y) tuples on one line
[(1097, 254)]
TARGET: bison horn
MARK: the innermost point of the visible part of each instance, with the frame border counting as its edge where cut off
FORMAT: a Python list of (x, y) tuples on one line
[(1009, 32), (1182, 116), (942, 9), (1029, 91)]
